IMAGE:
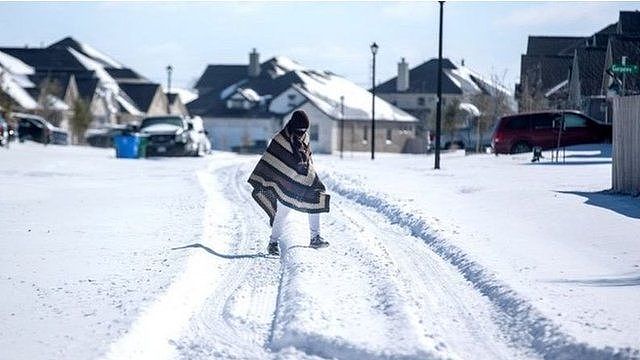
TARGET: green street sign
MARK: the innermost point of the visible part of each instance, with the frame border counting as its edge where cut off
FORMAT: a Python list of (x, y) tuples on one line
[(624, 69)]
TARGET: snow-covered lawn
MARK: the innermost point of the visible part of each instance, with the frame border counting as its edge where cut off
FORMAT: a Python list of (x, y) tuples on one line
[(490, 257), (86, 244)]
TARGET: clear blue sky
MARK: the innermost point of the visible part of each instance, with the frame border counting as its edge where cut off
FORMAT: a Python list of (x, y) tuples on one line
[(334, 36)]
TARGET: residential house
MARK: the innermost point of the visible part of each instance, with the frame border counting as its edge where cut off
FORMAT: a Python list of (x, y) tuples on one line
[(22, 90), (80, 71), (246, 104), (574, 72), (147, 97), (415, 91)]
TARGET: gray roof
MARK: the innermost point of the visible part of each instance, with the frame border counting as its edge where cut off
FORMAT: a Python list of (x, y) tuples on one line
[(218, 77), (44, 59), (424, 79), (552, 45), (142, 94), (629, 23), (591, 70), (547, 71)]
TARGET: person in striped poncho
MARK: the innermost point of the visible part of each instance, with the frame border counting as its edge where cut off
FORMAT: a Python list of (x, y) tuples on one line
[(284, 180)]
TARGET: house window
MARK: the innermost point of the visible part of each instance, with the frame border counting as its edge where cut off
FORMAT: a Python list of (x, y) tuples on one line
[(388, 138), (365, 134), (314, 133), (421, 101)]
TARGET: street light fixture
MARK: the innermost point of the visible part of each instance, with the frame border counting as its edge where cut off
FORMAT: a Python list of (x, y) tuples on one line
[(374, 51), (169, 71)]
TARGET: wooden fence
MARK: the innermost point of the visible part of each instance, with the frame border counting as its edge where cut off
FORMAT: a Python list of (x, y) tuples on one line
[(626, 144)]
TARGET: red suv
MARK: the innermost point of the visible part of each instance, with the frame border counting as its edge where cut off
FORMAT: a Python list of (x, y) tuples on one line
[(521, 132)]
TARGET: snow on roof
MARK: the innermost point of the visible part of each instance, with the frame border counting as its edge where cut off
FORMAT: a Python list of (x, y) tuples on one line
[(56, 103), (100, 56), (470, 108), (250, 94), (108, 82), (283, 65), (23, 81), (325, 89), (127, 105), (106, 79), (14, 65), (12, 88), (231, 89), (185, 94), (556, 88), (470, 75), (462, 80)]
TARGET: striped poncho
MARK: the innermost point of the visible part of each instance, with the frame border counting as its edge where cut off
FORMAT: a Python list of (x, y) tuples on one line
[(277, 178)]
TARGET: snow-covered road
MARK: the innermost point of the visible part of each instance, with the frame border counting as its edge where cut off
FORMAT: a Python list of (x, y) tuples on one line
[(395, 282), (376, 292)]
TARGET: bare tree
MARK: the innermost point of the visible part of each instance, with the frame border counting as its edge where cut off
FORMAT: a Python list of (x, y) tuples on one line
[(49, 89), (6, 103), (81, 119), (451, 117), (531, 97), (491, 106)]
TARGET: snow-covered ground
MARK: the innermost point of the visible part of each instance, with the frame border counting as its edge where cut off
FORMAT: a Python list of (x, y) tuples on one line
[(488, 258)]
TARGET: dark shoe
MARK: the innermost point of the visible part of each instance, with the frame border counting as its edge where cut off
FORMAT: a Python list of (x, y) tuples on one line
[(318, 242), (272, 249)]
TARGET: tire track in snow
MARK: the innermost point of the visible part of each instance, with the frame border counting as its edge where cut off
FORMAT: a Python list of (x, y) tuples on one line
[(345, 301), (235, 320), (447, 306)]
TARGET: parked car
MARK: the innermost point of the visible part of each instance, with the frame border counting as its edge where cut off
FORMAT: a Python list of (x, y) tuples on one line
[(36, 128), (171, 136), (104, 137), (4, 132), (521, 132)]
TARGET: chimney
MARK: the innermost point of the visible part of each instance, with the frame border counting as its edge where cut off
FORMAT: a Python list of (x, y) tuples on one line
[(402, 83), (254, 63)]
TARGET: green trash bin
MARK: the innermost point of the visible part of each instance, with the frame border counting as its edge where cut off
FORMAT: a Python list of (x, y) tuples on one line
[(142, 147)]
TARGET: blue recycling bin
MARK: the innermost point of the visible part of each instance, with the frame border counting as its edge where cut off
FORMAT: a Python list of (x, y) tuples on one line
[(127, 146)]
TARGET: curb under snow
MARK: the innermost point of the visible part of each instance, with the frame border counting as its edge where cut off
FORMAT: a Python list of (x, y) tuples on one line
[(526, 325)]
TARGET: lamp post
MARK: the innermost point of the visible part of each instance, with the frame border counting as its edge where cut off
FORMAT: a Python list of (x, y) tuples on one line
[(169, 71), (374, 51), (439, 105), (342, 125)]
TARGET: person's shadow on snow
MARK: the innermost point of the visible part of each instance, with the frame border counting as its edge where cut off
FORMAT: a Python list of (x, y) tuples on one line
[(224, 256)]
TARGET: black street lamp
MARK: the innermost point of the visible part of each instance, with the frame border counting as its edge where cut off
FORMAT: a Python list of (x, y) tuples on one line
[(342, 125), (169, 71), (374, 51), (439, 105)]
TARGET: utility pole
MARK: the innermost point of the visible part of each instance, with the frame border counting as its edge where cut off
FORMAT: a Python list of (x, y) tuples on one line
[(342, 125), (169, 71), (439, 105), (374, 51)]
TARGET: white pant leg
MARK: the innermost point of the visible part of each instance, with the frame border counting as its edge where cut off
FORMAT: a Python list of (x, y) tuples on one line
[(278, 222), (314, 224)]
